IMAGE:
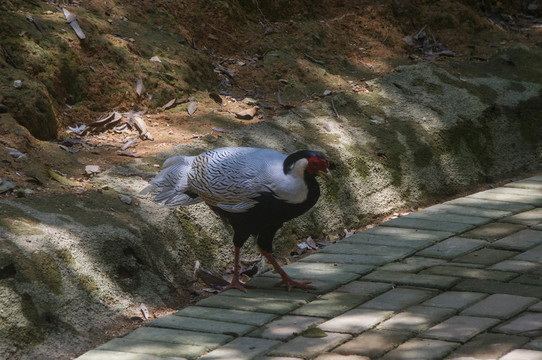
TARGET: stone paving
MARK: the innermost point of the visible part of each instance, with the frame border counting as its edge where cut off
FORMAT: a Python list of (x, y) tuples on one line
[(459, 280)]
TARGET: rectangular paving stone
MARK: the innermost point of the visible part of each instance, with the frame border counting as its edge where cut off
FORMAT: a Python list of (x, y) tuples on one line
[(250, 304), (493, 231), (497, 287), (485, 256), (333, 356), (337, 276), (535, 255), (277, 293), (286, 327), (202, 325), (488, 347), (350, 259), (407, 235), (423, 262), (331, 304), (531, 217), (392, 240), (491, 204), (309, 347), (365, 288), (526, 324), (507, 195), (470, 272), (355, 320), (430, 281), (502, 306), (243, 348), (534, 278), (455, 299), (522, 240), (417, 349), (207, 340), (524, 191), (344, 247), (531, 183), (268, 283), (468, 211), (398, 299), (373, 343), (448, 217), (118, 355), (306, 266), (523, 354), (452, 247), (401, 267), (517, 266), (238, 316), (416, 318), (155, 348), (459, 328), (423, 224)]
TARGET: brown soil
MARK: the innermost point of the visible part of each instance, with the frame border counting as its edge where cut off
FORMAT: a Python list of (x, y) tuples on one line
[(328, 45)]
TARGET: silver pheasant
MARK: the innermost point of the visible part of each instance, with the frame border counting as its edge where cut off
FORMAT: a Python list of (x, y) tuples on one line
[(254, 190)]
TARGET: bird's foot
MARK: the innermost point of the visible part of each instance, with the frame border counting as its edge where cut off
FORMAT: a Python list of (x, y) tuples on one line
[(235, 284), (303, 284)]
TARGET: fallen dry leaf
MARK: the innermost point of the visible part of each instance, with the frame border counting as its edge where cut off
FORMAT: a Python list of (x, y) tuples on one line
[(247, 114), (192, 107)]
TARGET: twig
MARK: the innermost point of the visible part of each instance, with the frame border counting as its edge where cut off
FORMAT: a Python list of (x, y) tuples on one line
[(316, 61), (292, 110), (387, 34), (334, 109)]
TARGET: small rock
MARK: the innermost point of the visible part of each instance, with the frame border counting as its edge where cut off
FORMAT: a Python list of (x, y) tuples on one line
[(92, 169), (17, 84), (155, 59), (3, 109), (6, 185), (125, 199)]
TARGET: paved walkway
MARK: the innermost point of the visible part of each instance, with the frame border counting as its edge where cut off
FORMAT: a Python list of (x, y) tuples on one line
[(459, 280)]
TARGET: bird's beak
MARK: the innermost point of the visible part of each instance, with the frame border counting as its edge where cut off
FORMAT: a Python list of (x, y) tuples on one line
[(326, 175)]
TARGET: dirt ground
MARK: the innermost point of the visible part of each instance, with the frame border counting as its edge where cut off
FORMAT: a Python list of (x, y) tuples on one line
[(226, 48), (270, 57)]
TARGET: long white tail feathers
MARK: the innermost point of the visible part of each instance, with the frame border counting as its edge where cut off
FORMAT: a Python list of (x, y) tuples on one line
[(171, 184)]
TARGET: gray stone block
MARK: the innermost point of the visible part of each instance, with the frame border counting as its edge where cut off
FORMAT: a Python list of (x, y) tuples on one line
[(243, 348), (309, 347), (373, 343), (398, 299), (502, 306), (454, 299), (202, 325), (237, 316), (418, 349), (356, 320), (452, 247), (459, 328)]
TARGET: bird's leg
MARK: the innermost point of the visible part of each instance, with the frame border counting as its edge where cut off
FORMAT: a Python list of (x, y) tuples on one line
[(235, 283), (286, 280)]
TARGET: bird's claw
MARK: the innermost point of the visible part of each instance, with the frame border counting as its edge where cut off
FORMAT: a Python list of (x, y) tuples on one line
[(235, 284), (303, 284)]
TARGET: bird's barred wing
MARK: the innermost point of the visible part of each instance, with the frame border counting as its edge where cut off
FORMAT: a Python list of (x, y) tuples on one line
[(232, 178)]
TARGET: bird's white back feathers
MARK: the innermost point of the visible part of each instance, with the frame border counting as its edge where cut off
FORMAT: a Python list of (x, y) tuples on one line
[(231, 178)]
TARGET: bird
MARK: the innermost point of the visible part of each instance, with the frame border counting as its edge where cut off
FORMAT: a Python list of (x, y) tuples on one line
[(255, 190)]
